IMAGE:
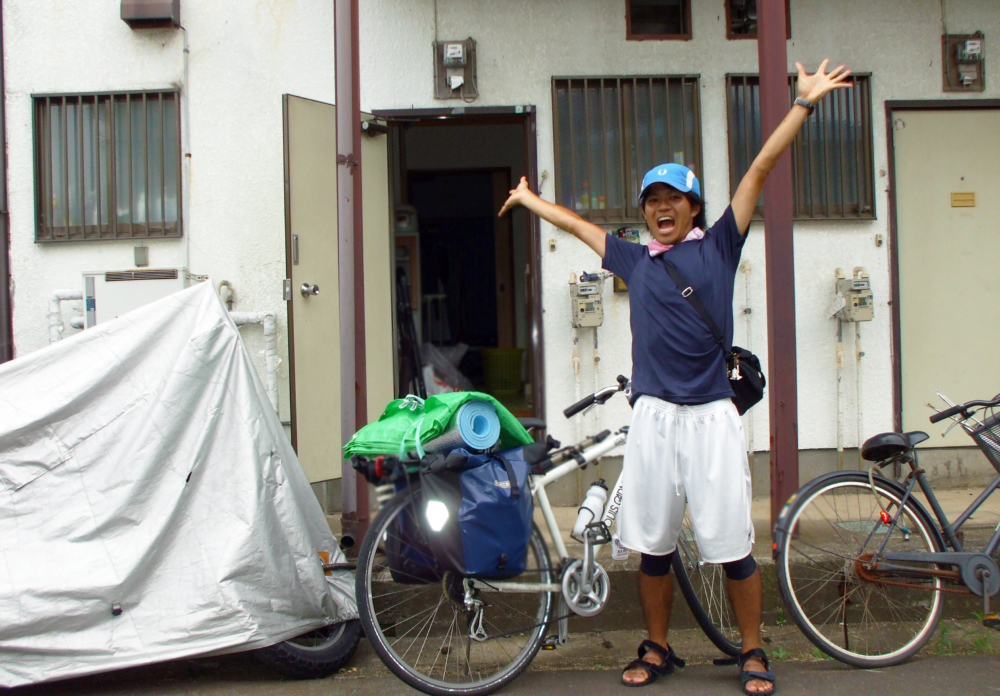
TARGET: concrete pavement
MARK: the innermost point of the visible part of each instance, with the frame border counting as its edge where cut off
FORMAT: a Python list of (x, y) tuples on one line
[(962, 656), (589, 666)]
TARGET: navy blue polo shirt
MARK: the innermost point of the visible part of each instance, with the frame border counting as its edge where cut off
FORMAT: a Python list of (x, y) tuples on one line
[(674, 355)]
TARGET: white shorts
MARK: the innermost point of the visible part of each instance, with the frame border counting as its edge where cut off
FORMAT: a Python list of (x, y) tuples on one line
[(697, 451)]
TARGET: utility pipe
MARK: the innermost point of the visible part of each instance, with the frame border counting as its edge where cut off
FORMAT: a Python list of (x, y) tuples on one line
[(858, 354), (56, 299), (840, 395), (270, 324), (597, 382), (185, 106), (6, 323)]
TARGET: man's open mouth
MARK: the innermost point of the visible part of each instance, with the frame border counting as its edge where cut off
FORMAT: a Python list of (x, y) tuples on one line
[(665, 223)]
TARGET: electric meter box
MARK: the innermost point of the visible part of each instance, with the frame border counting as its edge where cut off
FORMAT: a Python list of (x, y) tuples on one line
[(859, 304), (109, 294), (586, 306)]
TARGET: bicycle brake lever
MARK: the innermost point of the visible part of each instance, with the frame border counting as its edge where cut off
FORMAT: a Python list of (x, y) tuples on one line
[(955, 421)]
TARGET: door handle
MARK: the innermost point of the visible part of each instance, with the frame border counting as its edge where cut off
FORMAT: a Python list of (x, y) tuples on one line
[(308, 289)]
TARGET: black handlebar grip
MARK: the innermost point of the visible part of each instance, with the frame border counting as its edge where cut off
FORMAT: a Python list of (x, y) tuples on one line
[(947, 413), (579, 406)]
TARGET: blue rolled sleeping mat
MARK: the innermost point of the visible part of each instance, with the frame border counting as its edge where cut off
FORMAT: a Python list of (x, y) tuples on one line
[(475, 427)]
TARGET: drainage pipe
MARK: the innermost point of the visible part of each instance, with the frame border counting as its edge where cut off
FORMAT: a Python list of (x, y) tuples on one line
[(6, 321), (268, 320), (56, 299)]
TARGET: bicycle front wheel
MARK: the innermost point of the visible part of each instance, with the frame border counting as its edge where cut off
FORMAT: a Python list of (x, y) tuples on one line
[(705, 589), (417, 620), (852, 611)]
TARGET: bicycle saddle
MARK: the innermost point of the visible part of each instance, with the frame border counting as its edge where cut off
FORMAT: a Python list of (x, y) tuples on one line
[(886, 445)]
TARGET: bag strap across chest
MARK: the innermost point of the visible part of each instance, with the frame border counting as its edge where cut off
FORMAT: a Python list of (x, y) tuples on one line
[(687, 291)]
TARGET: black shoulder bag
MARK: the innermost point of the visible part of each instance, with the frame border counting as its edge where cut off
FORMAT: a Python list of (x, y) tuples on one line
[(745, 376)]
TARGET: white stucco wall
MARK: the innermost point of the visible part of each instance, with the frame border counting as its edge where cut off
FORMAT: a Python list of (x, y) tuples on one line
[(245, 55), (521, 44)]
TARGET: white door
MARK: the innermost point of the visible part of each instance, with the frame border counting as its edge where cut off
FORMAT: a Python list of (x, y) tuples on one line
[(314, 322), (947, 252), (312, 239)]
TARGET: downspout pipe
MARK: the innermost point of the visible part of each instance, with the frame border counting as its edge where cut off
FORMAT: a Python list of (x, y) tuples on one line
[(270, 323), (353, 382), (6, 313)]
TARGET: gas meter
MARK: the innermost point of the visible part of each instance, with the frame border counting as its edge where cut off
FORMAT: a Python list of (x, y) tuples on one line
[(586, 306), (857, 293)]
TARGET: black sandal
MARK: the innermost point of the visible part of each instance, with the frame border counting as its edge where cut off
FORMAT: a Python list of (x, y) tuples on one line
[(749, 675), (670, 660)]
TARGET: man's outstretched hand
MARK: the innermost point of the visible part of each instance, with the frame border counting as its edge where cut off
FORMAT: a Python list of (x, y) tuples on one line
[(517, 196), (814, 87)]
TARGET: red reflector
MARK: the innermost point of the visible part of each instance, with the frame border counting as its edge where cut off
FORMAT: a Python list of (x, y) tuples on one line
[(380, 466), (774, 546), (885, 517)]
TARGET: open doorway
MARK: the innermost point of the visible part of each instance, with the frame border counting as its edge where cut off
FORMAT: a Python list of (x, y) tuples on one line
[(468, 274)]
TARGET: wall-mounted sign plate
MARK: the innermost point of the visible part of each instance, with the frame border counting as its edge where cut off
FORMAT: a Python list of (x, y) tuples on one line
[(963, 199)]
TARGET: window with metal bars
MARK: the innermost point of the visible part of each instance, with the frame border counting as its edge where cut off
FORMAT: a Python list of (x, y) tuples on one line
[(107, 166), (832, 160), (741, 19), (609, 131), (657, 19)]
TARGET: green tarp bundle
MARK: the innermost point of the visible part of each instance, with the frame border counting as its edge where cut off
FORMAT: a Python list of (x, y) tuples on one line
[(397, 428)]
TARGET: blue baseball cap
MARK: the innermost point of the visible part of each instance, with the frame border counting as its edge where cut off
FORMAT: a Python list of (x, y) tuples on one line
[(676, 175)]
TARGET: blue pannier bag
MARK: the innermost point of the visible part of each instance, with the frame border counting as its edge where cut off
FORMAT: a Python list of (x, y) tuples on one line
[(410, 560), (477, 511)]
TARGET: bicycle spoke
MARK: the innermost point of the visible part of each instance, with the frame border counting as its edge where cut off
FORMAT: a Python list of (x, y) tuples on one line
[(864, 620), (419, 622)]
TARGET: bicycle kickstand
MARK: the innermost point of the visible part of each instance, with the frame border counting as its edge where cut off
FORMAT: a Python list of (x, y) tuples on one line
[(990, 619)]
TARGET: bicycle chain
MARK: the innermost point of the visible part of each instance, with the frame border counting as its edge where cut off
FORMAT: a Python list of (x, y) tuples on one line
[(869, 576)]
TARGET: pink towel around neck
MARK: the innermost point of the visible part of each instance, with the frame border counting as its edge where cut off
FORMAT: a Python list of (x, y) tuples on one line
[(656, 248)]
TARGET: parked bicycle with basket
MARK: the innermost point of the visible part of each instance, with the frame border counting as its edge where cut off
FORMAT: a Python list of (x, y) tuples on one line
[(862, 565), (458, 588)]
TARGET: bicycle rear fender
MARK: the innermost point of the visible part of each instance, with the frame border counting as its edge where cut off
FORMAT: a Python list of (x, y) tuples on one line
[(781, 526)]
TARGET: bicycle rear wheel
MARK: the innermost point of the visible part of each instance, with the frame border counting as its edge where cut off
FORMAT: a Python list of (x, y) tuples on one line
[(420, 628), (705, 590), (859, 615)]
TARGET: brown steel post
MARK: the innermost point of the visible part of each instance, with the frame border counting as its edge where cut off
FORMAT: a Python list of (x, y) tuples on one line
[(353, 382), (782, 377)]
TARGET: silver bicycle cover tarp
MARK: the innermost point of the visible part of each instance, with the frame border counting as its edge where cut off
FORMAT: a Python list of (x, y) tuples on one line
[(151, 506)]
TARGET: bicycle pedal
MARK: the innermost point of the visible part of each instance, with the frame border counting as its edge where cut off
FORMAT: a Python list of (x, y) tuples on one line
[(551, 643), (992, 621)]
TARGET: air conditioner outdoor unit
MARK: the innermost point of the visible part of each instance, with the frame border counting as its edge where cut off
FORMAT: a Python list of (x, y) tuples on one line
[(109, 294)]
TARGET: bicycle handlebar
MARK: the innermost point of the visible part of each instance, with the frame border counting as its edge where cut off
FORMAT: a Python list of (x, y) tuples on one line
[(948, 413), (964, 409), (599, 397)]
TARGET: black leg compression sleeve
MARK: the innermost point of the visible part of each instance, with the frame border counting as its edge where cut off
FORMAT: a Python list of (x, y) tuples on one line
[(739, 570), (656, 566)]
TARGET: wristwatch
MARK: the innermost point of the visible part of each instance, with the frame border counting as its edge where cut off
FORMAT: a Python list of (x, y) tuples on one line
[(810, 107)]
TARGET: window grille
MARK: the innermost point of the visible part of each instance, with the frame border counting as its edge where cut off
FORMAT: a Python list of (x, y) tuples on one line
[(609, 131), (832, 161), (657, 19), (107, 166), (741, 19)]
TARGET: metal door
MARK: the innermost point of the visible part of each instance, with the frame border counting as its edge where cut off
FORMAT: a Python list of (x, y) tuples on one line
[(312, 261), (947, 251), (313, 320)]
